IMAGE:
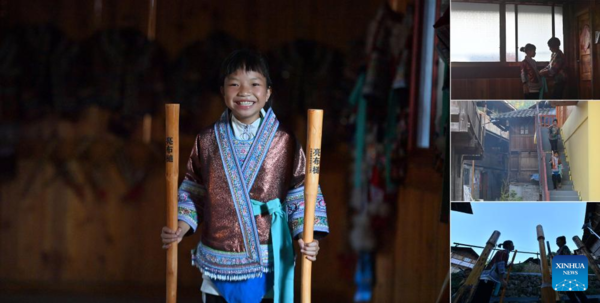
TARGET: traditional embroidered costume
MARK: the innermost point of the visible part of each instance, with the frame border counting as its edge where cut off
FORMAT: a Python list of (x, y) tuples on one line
[(531, 76), (491, 275), (557, 69), (246, 187)]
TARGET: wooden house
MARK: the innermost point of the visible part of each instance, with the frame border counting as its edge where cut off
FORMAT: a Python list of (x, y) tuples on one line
[(462, 258), (487, 65), (523, 161)]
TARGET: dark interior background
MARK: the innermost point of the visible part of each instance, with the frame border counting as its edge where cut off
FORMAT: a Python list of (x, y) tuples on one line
[(82, 186)]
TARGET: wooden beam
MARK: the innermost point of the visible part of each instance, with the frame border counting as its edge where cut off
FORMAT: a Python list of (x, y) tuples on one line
[(466, 291), (586, 252), (562, 103), (503, 32), (548, 295)]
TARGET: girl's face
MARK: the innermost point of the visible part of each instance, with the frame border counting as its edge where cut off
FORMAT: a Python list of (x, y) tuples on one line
[(553, 49), (531, 53), (245, 94)]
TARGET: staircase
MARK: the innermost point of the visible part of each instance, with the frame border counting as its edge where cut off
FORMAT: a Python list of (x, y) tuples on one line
[(566, 193)]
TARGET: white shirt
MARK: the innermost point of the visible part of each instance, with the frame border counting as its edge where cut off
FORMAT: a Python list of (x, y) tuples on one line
[(244, 131)]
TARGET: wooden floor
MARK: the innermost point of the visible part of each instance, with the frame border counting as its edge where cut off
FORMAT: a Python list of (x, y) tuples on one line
[(70, 293), (82, 299)]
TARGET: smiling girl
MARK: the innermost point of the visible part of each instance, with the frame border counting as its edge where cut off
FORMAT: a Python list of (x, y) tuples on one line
[(245, 183)]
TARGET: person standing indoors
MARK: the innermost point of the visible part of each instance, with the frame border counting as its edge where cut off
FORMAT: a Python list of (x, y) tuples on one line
[(556, 69)]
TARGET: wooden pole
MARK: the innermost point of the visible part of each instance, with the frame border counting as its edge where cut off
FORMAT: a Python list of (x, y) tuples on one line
[(466, 291), (98, 14), (152, 20), (311, 186), (172, 175), (444, 295), (586, 252), (550, 256), (147, 128), (151, 34), (472, 179), (508, 275), (548, 295)]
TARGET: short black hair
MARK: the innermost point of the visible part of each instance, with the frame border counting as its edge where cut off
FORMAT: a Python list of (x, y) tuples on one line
[(555, 120), (554, 42), (247, 60), (562, 238)]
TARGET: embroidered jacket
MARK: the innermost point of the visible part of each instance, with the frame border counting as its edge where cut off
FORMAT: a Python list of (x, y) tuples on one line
[(496, 268), (218, 190), (557, 67), (530, 75)]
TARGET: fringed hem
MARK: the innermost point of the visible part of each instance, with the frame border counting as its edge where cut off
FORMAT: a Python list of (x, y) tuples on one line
[(233, 277)]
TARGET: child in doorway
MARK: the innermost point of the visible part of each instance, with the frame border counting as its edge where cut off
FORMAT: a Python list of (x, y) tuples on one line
[(555, 163), (556, 69), (530, 76), (493, 273), (244, 182)]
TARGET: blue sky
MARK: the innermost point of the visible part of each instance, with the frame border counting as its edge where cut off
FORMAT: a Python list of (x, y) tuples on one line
[(517, 222)]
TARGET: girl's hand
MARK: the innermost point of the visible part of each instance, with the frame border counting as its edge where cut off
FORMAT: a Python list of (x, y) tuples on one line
[(525, 88), (169, 236), (310, 250), (544, 72)]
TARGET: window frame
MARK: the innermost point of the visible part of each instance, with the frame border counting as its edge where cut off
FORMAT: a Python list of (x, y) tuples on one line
[(502, 33)]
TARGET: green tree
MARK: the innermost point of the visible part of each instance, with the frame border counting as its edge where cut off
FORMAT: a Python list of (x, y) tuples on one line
[(522, 104), (509, 195)]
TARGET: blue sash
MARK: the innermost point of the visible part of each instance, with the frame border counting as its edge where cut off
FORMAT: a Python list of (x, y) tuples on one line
[(238, 266)]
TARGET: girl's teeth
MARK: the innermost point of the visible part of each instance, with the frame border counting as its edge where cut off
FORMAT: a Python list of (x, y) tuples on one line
[(245, 103)]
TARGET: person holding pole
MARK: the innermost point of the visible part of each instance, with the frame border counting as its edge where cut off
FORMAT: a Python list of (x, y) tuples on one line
[(245, 183), (493, 273), (563, 250)]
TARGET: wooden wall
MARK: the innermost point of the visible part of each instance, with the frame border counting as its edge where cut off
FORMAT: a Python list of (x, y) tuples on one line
[(487, 88), (596, 50), (264, 24), (521, 134), (591, 90), (51, 236), (523, 152), (51, 239), (474, 81), (484, 81), (415, 265)]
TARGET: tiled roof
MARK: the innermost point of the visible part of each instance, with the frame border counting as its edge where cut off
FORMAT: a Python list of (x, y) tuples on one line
[(464, 249), (524, 113)]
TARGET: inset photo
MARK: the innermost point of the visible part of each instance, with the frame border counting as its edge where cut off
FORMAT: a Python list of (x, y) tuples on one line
[(524, 150), (525, 252), (524, 49)]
